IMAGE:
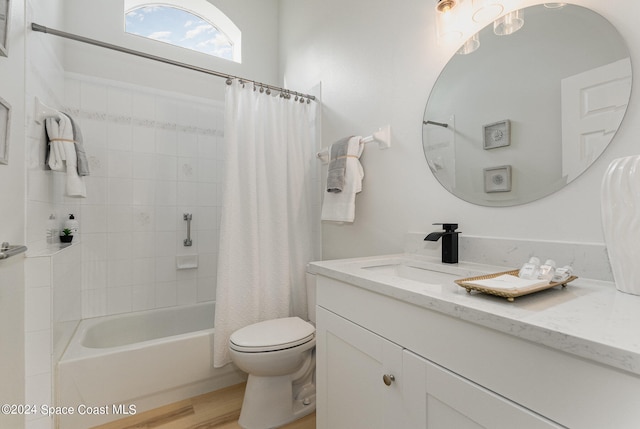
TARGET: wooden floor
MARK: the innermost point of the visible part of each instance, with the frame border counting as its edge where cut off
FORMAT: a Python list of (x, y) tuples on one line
[(219, 410)]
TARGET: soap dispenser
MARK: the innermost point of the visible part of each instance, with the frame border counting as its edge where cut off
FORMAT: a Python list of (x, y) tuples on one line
[(72, 224)]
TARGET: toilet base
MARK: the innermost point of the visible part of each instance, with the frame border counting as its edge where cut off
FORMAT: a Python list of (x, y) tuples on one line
[(270, 402)]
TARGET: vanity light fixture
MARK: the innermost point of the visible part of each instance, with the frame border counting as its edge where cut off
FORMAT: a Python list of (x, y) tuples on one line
[(447, 21), (458, 18), (509, 23), (486, 10), (445, 6), (470, 45)]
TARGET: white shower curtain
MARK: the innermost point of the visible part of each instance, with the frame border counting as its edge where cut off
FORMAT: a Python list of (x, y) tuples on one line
[(266, 232)]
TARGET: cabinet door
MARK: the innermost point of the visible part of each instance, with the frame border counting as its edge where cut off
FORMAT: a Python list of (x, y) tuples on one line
[(436, 398), (351, 364)]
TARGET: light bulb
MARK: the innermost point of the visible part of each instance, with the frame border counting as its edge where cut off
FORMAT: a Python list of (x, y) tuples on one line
[(509, 23), (470, 45), (486, 10)]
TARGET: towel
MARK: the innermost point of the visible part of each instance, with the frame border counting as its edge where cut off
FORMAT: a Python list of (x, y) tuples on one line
[(337, 165), (62, 154), (341, 206), (509, 282), (81, 155)]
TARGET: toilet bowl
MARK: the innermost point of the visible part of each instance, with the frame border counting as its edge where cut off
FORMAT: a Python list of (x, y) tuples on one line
[(279, 356)]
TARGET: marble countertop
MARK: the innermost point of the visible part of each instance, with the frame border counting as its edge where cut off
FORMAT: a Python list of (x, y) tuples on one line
[(588, 318)]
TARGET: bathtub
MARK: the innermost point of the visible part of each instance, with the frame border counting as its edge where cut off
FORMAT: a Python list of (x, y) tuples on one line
[(134, 362)]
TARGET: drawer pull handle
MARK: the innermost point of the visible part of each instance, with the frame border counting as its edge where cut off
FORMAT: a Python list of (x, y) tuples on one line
[(388, 379)]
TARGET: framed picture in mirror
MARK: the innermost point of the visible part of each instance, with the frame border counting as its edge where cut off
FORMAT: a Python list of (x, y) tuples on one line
[(4, 26), (497, 134), (497, 179), (5, 120)]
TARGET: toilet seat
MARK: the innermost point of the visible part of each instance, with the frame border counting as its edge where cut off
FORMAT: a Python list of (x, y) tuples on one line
[(272, 335)]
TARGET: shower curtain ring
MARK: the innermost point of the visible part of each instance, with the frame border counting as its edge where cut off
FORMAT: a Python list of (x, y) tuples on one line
[(229, 80), (268, 91), (261, 89)]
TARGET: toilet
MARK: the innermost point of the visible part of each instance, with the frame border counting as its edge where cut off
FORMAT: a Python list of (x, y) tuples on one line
[(279, 356)]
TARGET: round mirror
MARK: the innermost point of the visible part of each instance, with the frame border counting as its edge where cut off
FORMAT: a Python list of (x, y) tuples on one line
[(526, 113)]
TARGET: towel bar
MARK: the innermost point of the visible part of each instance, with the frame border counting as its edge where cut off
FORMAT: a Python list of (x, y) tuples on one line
[(7, 250), (42, 112), (382, 136)]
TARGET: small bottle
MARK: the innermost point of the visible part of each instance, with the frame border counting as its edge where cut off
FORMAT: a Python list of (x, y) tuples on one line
[(547, 270), (530, 269), (562, 274), (52, 229), (72, 224)]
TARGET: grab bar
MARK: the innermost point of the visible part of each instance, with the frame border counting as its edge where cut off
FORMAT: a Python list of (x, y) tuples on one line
[(440, 124), (7, 250), (187, 241)]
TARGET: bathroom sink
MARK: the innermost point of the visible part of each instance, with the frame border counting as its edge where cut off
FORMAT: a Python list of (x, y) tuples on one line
[(405, 271), (433, 275)]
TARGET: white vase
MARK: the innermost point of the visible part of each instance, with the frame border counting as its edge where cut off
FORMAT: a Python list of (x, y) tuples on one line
[(620, 207)]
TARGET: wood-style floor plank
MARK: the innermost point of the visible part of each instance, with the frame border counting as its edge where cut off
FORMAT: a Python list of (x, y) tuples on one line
[(215, 410)]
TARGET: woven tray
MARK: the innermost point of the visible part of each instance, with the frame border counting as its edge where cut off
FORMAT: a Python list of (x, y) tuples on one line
[(509, 294)]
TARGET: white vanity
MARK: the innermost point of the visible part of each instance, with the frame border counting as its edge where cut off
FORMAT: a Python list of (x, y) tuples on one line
[(401, 346)]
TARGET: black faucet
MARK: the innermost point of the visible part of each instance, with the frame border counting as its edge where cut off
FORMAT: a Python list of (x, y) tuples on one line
[(449, 241)]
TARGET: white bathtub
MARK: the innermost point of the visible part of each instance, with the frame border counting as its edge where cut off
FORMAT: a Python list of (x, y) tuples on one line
[(145, 360)]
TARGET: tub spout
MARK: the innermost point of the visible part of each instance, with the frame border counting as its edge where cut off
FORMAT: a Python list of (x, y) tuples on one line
[(449, 241)]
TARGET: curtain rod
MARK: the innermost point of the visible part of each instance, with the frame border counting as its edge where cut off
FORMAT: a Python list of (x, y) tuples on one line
[(262, 86)]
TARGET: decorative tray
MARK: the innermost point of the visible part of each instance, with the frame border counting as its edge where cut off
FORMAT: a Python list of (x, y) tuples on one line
[(510, 294)]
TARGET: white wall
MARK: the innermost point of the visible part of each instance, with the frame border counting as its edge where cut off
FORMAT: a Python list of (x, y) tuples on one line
[(50, 277), (378, 61), (12, 213)]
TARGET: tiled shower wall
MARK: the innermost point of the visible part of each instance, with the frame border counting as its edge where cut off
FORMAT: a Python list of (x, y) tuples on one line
[(153, 156)]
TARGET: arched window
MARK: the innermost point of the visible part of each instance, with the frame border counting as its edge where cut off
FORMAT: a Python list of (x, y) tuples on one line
[(191, 24)]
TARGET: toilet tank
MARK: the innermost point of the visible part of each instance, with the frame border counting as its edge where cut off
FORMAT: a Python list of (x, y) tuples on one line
[(310, 282)]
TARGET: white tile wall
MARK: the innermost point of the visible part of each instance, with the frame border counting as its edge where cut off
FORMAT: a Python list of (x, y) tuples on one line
[(38, 334), (52, 296), (154, 156)]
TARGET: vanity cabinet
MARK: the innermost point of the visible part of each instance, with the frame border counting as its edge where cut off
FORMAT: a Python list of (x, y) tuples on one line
[(367, 382), (383, 362)]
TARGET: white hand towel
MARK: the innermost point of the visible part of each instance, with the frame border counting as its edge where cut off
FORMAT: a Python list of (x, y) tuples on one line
[(62, 155), (509, 282), (341, 206)]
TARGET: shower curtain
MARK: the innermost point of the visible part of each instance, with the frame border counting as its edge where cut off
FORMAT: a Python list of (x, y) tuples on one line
[(266, 230)]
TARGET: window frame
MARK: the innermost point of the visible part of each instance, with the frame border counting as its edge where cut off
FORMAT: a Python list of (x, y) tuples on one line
[(202, 9)]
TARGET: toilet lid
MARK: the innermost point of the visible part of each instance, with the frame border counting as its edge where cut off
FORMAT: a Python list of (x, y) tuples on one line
[(272, 335)]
